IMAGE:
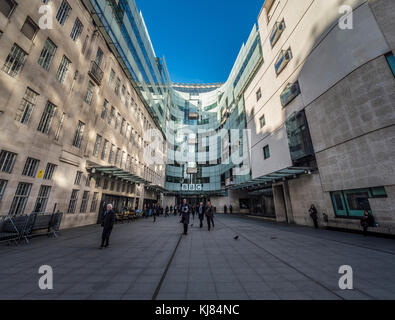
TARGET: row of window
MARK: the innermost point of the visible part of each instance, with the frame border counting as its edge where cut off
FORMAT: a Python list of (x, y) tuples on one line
[(7, 161)]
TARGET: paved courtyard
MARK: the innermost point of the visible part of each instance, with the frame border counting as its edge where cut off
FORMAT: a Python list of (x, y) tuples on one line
[(153, 261)]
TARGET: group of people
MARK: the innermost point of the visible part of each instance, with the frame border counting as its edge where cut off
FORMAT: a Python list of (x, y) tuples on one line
[(202, 210)]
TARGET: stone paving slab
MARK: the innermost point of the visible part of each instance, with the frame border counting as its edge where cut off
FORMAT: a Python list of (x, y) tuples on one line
[(268, 262)]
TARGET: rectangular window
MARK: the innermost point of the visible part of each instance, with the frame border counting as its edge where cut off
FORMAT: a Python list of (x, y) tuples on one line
[(117, 120), (20, 199), (7, 7), (258, 94), (266, 152), (79, 135), (112, 115), (84, 202), (391, 61), (63, 68), (15, 61), (111, 156), (49, 171), (111, 78), (94, 202), (63, 12), (3, 186), (31, 167), (73, 201), (97, 145), (27, 106), (89, 93), (47, 117), (88, 181), (123, 125), (77, 30), (105, 185), (117, 86), (42, 199), (97, 182), (47, 54), (117, 156), (104, 110), (77, 180), (262, 121), (282, 60), (29, 28), (104, 150), (7, 161)]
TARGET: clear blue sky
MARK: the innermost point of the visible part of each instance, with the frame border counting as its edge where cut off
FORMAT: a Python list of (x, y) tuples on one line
[(200, 40)]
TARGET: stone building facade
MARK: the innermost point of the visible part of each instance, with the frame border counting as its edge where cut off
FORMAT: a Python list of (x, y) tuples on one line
[(68, 111)]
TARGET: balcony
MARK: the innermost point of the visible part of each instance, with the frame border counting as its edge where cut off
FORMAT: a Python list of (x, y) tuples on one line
[(96, 73), (276, 32), (282, 61), (290, 92)]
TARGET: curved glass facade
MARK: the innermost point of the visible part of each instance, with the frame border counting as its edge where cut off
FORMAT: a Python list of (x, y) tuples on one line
[(204, 124)]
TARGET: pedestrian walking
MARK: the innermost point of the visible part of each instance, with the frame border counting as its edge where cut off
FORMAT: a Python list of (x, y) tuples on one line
[(231, 209), (107, 224), (167, 211), (367, 221), (225, 209), (201, 214), (209, 212), (185, 213), (314, 215)]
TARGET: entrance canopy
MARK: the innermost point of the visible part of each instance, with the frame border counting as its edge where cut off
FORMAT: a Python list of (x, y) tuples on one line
[(119, 173), (268, 180)]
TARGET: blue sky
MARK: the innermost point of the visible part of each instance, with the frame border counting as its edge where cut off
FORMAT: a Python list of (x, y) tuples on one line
[(199, 39)]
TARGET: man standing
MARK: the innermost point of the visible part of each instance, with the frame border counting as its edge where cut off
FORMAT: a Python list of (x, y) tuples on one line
[(185, 212), (225, 209), (209, 212), (314, 215), (107, 224), (201, 214)]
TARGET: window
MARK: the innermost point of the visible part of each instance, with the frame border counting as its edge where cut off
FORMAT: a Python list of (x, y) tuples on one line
[(112, 115), (282, 60), (111, 156), (277, 30), (89, 93), (42, 199), (73, 201), (77, 180), (104, 109), (7, 161), (123, 125), (84, 202), (20, 199), (112, 76), (99, 57), (94, 202), (97, 145), (77, 30), (262, 121), (3, 185), (117, 86), (60, 126), (47, 54), (123, 90), (79, 135), (117, 156), (29, 28), (105, 185), (27, 106), (49, 171), (63, 12), (117, 120), (353, 203), (266, 152), (31, 166), (88, 181), (85, 44), (14, 61), (63, 68), (391, 61), (7, 7), (46, 119), (104, 151), (258, 94)]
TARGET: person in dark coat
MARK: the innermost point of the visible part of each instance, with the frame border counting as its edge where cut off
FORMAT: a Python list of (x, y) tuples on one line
[(167, 211), (209, 212), (225, 209), (185, 212), (107, 224), (314, 215), (367, 221), (200, 212)]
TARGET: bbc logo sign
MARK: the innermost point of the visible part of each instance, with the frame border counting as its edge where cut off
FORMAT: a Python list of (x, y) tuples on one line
[(192, 187)]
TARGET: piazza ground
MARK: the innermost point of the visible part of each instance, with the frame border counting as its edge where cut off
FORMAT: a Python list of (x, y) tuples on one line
[(147, 260)]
